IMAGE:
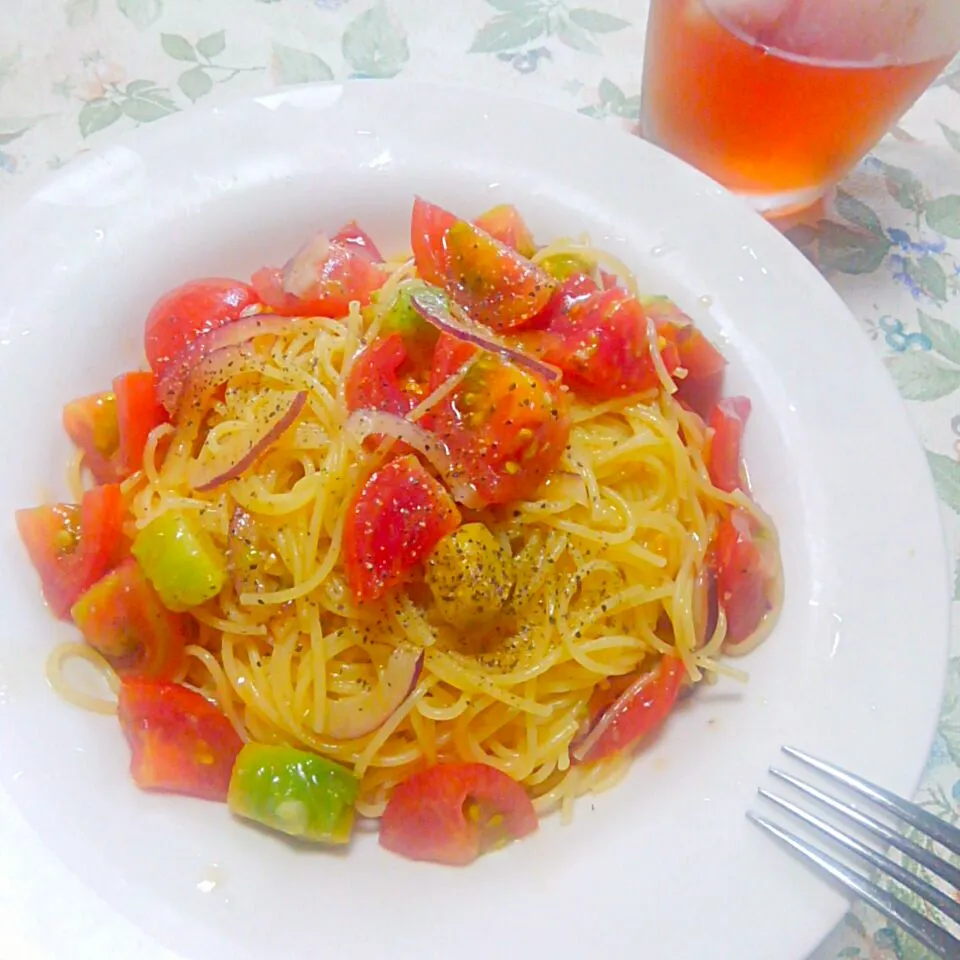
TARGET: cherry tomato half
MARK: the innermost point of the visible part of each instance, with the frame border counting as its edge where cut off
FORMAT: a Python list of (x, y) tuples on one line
[(138, 412), (505, 429), (494, 284), (745, 566), (505, 224), (599, 339), (322, 280), (179, 741), (72, 546), (124, 620), (636, 713), (91, 423), (187, 311), (396, 519), (727, 421), (453, 812)]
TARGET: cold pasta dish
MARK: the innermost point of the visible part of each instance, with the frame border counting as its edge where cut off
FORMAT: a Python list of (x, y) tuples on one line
[(437, 540)]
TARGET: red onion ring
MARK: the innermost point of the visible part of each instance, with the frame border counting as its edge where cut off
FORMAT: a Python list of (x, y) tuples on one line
[(434, 308), (364, 423), (171, 387), (354, 717), (245, 450)]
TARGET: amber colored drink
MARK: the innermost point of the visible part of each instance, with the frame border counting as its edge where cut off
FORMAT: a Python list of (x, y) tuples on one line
[(778, 125)]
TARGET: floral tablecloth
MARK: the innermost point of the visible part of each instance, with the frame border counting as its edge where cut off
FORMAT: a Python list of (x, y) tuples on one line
[(890, 243)]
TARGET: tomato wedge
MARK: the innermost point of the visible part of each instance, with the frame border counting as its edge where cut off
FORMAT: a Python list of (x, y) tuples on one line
[(505, 224), (91, 423), (72, 546), (123, 619), (396, 519), (138, 412), (179, 742), (453, 812), (728, 421), (636, 713), (187, 311), (599, 339), (495, 284), (745, 566), (374, 380), (428, 228), (322, 279), (350, 234), (701, 387), (504, 428), (449, 356)]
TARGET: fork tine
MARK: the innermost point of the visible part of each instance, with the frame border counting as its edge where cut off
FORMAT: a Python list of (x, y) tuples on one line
[(885, 865), (943, 869), (916, 816), (940, 941)]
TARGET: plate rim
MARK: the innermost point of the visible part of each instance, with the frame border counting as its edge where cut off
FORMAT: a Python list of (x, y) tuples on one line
[(805, 270)]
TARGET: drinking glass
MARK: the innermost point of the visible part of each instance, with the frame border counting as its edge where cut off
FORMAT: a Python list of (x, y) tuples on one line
[(778, 99)]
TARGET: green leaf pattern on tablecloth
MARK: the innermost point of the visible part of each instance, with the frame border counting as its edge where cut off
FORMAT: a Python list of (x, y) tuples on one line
[(889, 240), (141, 13), (298, 66), (520, 22), (375, 44)]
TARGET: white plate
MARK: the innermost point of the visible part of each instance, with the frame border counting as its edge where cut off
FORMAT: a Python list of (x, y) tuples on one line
[(664, 865)]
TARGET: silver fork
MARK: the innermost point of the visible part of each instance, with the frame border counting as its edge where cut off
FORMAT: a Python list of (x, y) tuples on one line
[(931, 934)]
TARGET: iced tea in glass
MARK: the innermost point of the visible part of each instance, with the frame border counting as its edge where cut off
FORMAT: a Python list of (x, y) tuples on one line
[(778, 99)]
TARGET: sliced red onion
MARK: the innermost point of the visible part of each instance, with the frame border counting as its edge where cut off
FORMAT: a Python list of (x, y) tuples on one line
[(706, 608), (212, 370), (240, 450), (247, 327), (354, 717), (300, 271), (435, 309), (365, 423)]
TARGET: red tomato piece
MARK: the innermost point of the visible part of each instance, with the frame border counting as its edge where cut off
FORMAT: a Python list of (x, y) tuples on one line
[(701, 388), (179, 741), (609, 280), (495, 284), (188, 311), (505, 224), (697, 355), (636, 713), (599, 339), (350, 234), (138, 412), (124, 620), (428, 227), (91, 423), (375, 380), (449, 356), (702, 395), (396, 519), (453, 812), (745, 569), (72, 546), (727, 421), (321, 280), (504, 428)]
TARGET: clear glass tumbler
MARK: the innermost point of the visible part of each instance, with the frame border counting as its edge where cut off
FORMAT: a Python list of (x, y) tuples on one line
[(778, 99)]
